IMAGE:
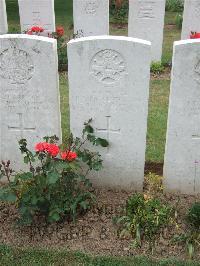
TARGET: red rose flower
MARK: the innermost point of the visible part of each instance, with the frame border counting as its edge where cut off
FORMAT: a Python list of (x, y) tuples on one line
[(39, 147), (29, 32), (37, 29), (195, 35), (68, 155), (60, 31), (52, 149)]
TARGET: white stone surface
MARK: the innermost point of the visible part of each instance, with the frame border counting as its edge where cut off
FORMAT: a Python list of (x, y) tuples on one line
[(37, 13), (109, 82), (191, 18), (146, 21), (182, 155), (29, 93), (3, 17), (91, 17)]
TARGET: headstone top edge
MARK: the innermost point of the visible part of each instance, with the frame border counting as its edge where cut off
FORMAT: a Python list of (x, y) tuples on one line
[(106, 37), (186, 42), (29, 37)]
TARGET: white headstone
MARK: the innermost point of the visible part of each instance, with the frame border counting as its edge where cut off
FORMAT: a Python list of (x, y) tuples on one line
[(91, 17), (109, 82), (29, 93), (37, 13), (182, 155), (191, 18), (3, 17), (146, 21)]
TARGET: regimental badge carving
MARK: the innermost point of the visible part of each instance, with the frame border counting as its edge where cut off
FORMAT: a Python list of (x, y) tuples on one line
[(197, 71), (108, 66), (91, 7), (16, 65)]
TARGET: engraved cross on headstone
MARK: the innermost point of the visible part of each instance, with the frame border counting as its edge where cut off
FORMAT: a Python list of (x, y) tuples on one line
[(196, 137), (21, 128), (108, 130)]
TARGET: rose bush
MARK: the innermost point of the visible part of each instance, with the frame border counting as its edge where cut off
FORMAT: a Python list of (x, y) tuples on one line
[(56, 184), (61, 43), (60, 31)]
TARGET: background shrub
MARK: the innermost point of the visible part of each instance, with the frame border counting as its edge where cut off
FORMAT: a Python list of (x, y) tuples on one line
[(144, 219), (157, 68), (193, 216), (119, 10), (175, 5), (56, 186)]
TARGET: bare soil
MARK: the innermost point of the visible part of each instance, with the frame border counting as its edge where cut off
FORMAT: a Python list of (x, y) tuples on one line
[(95, 233), (156, 168), (164, 75)]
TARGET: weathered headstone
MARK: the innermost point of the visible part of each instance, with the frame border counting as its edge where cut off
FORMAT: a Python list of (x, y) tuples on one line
[(191, 18), (182, 155), (146, 21), (29, 93), (37, 13), (109, 82), (91, 17), (3, 17)]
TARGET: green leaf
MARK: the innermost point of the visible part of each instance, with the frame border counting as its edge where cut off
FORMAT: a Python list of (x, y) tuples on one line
[(7, 195), (26, 160), (61, 166), (54, 217), (91, 138), (190, 250), (52, 177), (85, 156), (102, 142), (84, 205), (25, 176), (89, 129), (96, 166), (34, 200)]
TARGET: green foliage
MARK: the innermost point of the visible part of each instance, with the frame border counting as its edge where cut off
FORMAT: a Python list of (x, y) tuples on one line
[(174, 5), (145, 217), (119, 14), (191, 239), (193, 216), (62, 54), (56, 186), (154, 183), (179, 21), (157, 68)]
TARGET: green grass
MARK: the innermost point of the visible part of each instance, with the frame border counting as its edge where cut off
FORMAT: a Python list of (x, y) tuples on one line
[(13, 15), (64, 100), (171, 34), (44, 257), (159, 89), (157, 120)]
